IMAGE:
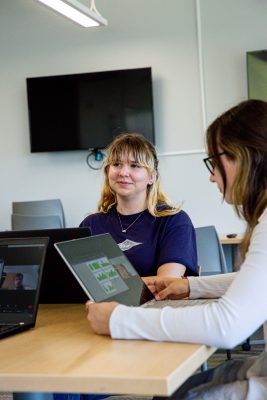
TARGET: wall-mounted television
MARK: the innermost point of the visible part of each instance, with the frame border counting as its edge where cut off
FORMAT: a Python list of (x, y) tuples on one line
[(257, 74), (86, 111)]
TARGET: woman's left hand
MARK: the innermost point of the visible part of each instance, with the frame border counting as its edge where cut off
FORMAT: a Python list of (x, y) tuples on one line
[(98, 315)]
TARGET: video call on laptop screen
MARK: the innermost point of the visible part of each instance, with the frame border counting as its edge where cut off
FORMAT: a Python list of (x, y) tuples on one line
[(19, 276)]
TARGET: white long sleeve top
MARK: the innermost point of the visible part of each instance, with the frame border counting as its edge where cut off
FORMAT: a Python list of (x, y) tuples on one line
[(241, 309)]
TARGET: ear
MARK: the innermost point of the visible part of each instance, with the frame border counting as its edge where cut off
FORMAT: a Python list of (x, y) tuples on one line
[(152, 178)]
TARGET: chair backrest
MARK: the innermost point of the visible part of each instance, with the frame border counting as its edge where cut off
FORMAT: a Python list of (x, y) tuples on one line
[(50, 207), (210, 252), (28, 222)]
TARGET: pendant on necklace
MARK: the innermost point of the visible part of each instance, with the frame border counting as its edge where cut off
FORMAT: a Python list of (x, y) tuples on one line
[(136, 219)]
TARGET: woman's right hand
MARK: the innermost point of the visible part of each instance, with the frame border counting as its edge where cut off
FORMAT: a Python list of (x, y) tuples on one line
[(168, 287)]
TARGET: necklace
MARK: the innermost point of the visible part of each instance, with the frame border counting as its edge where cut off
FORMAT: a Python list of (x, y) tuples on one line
[(124, 230)]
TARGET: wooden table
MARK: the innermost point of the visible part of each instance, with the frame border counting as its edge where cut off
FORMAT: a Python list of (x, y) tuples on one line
[(236, 240), (61, 354)]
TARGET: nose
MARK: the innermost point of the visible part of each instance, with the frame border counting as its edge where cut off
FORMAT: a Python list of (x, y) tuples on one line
[(212, 178), (124, 170)]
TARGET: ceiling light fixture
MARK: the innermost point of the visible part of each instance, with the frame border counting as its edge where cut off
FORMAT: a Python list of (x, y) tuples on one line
[(77, 12)]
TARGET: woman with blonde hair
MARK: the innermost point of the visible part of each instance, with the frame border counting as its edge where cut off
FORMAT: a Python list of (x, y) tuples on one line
[(158, 239)]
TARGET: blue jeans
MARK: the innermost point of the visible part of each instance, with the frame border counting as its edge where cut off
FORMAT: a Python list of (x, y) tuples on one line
[(75, 396), (191, 383), (58, 396), (33, 396)]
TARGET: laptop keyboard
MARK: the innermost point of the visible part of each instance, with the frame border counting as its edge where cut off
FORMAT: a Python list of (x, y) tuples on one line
[(11, 309), (7, 327)]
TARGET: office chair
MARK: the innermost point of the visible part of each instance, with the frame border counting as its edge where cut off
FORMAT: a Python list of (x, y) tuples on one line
[(210, 252), (41, 208), (28, 222)]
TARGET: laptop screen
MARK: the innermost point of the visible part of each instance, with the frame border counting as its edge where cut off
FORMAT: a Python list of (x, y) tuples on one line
[(58, 284), (21, 266), (104, 271)]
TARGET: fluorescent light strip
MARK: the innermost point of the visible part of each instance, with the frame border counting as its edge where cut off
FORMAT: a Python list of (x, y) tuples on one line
[(76, 11)]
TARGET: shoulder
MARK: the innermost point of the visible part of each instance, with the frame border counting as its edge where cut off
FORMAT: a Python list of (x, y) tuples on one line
[(183, 217), (180, 217), (181, 222), (94, 217)]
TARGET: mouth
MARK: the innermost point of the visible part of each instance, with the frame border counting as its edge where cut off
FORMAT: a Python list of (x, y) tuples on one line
[(124, 183)]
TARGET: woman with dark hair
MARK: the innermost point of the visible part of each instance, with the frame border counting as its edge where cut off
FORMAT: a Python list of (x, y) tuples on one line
[(237, 162), (158, 239)]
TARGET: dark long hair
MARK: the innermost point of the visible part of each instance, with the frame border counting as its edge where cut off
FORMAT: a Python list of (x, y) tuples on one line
[(241, 133)]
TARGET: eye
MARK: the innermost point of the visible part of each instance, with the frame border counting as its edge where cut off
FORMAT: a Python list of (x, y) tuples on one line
[(116, 164), (135, 165), (212, 163)]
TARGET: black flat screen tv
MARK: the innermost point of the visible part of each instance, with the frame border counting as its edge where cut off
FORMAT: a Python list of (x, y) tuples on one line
[(86, 111), (257, 74)]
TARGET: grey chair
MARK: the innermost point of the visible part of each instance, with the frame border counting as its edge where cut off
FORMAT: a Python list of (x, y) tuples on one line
[(28, 222), (210, 252), (41, 208)]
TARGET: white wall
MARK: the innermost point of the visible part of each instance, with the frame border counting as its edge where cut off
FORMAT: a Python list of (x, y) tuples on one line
[(171, 37)]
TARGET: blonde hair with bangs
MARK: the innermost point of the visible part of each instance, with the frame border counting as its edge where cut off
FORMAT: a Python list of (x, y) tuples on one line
[(144, 153)]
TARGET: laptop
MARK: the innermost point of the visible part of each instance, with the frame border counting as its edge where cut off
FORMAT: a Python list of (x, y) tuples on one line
[(21, 268), (103, 271), (58, 284)]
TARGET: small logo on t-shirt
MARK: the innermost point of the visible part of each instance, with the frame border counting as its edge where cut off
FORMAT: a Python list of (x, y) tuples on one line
[(127, 244)]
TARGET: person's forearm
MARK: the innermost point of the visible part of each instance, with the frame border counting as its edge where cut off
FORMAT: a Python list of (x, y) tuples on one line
[(171, 269), (210, 286)]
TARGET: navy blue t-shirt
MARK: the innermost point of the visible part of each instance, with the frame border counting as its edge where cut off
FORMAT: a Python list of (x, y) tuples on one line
[(150, 241)]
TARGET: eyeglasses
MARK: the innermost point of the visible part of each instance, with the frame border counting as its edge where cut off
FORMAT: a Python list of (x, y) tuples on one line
[(211, 164)]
